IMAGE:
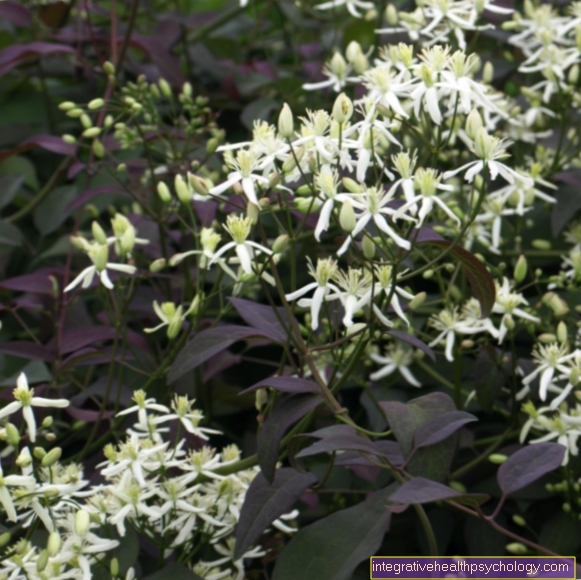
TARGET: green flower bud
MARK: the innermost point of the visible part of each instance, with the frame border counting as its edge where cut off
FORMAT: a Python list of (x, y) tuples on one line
[(274, 179), (368, 247), (280, 244), (417, 301), (100, 257), (519, 520), (5, 539), (547, 338), (95, 104), (304, 189), (165, 88), (98, 148), (86, 121), (567, 507), (342, 109), (109, 67), (541, 244), (12, 434), (473, 123), (290, 163), (516, 548), (520, 269), (75, 113), (347, 217), (351, 185), (458, 486), (497, 458), (428, 274), (82, 522), (51, 457), (98, 233), (42, 561), (212, 144), (69, 139), (157, 265), (91, 132), (574, 378), (391, 15), (286, 122), (163, 192), (562, 332), (182, 190), (555, 303), (114, 567), (199, 185), (67, 106), (39, 452), (54, 544)]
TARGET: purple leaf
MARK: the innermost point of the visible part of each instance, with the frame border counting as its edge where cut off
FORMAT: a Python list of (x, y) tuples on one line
[(82, 199), (47, 142), (265, 502), (334, 546), (414, 341), (78, 337), (288, 411), (14, 54), (570, 176), (38, 282), (292, 385), (422, 490), (29, 350), (210, 342), (441, 427), (479, 277), (529, 464), (88, 415), (15, 13), (167, 64), (389, 449), (262, 317)]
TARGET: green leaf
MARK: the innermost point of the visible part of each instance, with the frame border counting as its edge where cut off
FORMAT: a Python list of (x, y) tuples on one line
[(50, 212), (9, 186), (561, 534), (10, 235), (331, 548)]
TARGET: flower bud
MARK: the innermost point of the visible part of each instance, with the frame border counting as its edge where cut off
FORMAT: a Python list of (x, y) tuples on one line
[(95, 104), (100, 257), (182, 189), (467, 344), (417, 301), (67, 106), (82, 522), (109, 67), (547, 338), (157, 265), (69, 139), (98, 233), (165, 88), (253, 212), (114, 567), (428, 274), (519, 520), (12, 434), (555, 303), (163, 192), (574, 376), (573, 76), (91, 132), (5, 539), (274, 179), (541, 244), (479, 6), (520, 269), (304, 189), (562, 332), (342, 109), (391, 15), (213, 144), (51, 457), (351, 185), (280, 244), (567, 507), (75, 113), (39, 452), (42, 561), (508, 321), (516, 548), (24, 459), (261, 397), (473, 123), (347, 217), (368, 247), (497, 458), (286, 122), (98, 148), (458, 486), (353, 50), (174, 326)]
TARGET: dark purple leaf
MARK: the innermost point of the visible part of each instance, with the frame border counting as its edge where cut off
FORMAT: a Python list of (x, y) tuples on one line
[(47, 142), (76, 338), (38, 282), (293, 385), (414, 341), (265, 502), (333, 547), (92, 356), (15, 13), (167, 64), (84, 197), (333, 431), (389, 449), (529, 464), (287, 412), (489, 377), (88, 415), (29, 350), (570, 176), (206, 211), (14, 54), (568, 204), (441, 427), (262, 317), (422, 490), (479, 277), (210, 342)]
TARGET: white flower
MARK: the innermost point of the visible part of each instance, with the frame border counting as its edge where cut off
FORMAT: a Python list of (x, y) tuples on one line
[(239, 228), (355, 285), (99, 255), (337, 71), (25, 399), (5, 497), (189, 417), (352, 6), (326, 269), (142, 405), (171, 317), (397, 358)]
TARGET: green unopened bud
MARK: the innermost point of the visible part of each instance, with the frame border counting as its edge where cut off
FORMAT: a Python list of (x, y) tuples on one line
[(261, 397), (42, 561), (67, 106), (157, 265), (82, 522), (417, 301), (51, 457), (54, 544), (547, 338), (253, 212), (98, 233), (473, 123), (182, 190), (541, 244), (5, 539), (458, 486), (578, 36), (274, 179), (69, 139), (280, 244), (47, 422), (114, 567), (368, 247), (304, 205), (573, 76), (109, 67), (479, 6), (428, 274), (304, 189), (497, 458), (95, 104), (508, 321), (86, 121), (98, 148), (75, 113), (199, 185), (519, 520), (520, 269), (165, 88), (478, 183), (555, 303), (174, 327), (286, 122), (342, 109), (91, 132), (351, 185), (567, 507), (290, 162), (562, 332), (467, 344), (516, 548), (163, 192), (391, 15), (347, 218), (12, 434), (24, 459), (100, 257), (212, 144), (574, 376), (39, 452)]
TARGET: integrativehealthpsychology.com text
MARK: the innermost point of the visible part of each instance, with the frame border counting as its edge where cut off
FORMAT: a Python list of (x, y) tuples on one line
[(498, 567)]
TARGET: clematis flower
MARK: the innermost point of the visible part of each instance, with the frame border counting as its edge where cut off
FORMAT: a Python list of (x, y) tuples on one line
[(5, 497), (25, 399)]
